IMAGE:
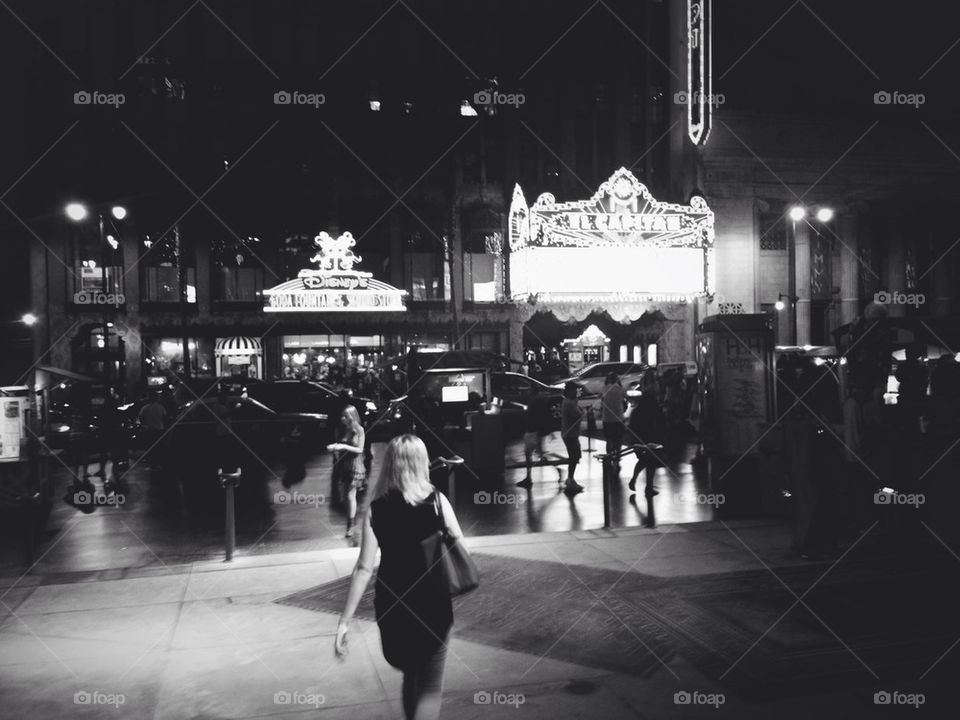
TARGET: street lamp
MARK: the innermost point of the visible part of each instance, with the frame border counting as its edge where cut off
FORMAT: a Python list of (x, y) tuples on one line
[(78, 212), (29, 319)]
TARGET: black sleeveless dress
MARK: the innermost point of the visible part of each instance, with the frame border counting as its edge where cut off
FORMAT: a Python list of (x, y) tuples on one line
[(413, 627)]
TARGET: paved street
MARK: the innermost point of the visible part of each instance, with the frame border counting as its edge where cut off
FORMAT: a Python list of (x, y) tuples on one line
[(155, 525)]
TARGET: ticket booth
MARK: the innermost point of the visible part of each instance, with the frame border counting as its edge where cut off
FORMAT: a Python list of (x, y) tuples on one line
[(591, 347)]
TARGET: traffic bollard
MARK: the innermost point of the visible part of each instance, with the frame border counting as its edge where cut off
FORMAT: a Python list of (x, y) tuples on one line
[(591, 428), (607, 469), (228, 481)]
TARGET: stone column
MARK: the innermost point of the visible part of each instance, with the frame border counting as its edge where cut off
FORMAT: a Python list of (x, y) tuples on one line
[(801, 251), (515, 348), (849, 267), (395, 238), (941, 257), (130, 330), (896, 262), (204, 278)]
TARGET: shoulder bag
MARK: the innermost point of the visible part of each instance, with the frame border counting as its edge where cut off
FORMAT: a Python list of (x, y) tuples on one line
[(448, 556)]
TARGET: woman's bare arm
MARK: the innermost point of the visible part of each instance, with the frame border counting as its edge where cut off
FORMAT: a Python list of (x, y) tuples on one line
[(453, 527), (361, 439), (363, 569)]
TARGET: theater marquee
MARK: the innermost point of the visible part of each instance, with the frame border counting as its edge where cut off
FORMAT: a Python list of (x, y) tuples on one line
[(620, 245), (334, 286)]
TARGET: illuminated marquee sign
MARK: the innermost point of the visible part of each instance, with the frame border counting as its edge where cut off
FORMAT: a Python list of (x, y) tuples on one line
[(620, 245), (334, 286), (699, 97)]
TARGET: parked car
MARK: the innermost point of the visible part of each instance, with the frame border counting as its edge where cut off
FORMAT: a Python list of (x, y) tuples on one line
[(191, 448), (515, 391), (592, 378), (520, 390), (311, 396)]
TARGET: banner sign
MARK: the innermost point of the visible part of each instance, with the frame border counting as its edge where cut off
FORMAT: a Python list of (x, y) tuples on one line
[(334, 286)]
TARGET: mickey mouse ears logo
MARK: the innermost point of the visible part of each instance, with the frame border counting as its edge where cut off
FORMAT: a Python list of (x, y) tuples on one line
[(335, 253)]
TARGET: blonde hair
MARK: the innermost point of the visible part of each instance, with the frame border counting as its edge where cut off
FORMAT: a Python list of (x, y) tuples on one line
[(406, 467), (351, 412)]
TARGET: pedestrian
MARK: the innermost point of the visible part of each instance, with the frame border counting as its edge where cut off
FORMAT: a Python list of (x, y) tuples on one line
[(612, 405), (114, 448), (647, 426), (412, 604), (943, 488), (348, 462), (538, 423), (571, 415), (912, 392), (153, 419)]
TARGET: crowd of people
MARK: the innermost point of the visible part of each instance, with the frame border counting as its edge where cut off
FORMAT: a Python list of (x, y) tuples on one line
[(644, 420), (856, 460)]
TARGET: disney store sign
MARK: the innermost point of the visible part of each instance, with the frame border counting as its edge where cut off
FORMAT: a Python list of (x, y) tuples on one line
[(333, 285)]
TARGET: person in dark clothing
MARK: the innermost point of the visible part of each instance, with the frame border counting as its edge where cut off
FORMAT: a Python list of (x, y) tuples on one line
[(571, 415), (538, 423), (648, 426), (113, 442), (413, 607), (912, 393)]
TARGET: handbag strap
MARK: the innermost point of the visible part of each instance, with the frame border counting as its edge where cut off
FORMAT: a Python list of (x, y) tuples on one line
[(439, 511)]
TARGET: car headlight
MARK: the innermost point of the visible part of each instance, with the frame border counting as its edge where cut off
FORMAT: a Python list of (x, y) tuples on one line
[(371, 406), (63, 428)]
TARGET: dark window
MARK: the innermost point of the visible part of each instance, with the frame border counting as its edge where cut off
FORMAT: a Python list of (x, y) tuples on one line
[(773, 231), (239, 284)]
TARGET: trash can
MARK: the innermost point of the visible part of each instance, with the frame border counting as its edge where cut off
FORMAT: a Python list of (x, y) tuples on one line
[(487, 449)]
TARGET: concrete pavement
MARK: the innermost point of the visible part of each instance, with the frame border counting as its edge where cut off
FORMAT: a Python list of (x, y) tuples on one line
[(206, 640)]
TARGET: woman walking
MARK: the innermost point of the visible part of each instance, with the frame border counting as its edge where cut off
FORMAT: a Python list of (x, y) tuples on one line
[(348, 463), (571, 415), (412, 604)]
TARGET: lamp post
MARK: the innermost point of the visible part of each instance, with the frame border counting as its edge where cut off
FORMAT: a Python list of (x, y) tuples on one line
[(798, 251), (78, 212)]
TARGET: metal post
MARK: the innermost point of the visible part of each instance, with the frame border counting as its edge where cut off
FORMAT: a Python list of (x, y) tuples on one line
[(228, 481), (591, 428), (607, 468)]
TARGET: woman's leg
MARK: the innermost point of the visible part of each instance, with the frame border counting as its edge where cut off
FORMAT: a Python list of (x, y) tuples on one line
[(409, 693), (351, 507), (429, 685)]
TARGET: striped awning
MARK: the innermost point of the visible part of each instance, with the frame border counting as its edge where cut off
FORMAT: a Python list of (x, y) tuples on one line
[(239, 345)]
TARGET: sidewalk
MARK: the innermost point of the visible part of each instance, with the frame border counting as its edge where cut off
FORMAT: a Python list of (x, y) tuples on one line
[(209, 640)]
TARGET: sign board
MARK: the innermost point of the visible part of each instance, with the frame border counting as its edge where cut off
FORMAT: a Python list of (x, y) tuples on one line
[(334, 286), (699, 97), (12, 411), (620, 244)]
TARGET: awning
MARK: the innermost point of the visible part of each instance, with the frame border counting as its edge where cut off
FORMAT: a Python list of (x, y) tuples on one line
[(69, 374), (239, 345)]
